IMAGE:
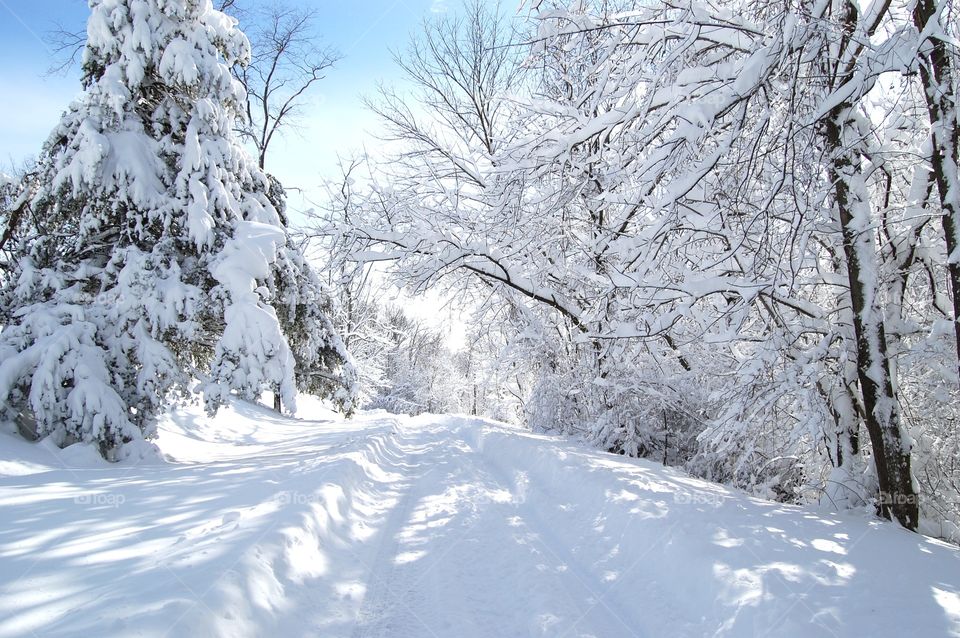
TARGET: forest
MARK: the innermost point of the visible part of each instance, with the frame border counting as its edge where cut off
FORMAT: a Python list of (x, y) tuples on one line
[(721, 236)]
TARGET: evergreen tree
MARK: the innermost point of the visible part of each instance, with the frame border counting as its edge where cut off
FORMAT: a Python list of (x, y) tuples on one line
[(152, 241)]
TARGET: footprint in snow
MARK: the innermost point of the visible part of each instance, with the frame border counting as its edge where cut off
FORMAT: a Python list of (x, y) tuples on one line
[(231, 517)]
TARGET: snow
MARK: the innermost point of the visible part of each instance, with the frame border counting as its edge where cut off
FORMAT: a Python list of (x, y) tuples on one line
[(252, 524), (252, 352)]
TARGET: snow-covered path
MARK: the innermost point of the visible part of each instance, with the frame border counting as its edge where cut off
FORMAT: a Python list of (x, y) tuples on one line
[(462, 522), (435, 526)]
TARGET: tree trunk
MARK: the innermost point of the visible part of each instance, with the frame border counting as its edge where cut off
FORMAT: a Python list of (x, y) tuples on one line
[(937, 75), (891, 453), (277, 403)]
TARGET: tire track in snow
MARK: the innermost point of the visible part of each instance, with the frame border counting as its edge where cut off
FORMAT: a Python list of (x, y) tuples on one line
[(381, 584), (485, 529), (584, 580)]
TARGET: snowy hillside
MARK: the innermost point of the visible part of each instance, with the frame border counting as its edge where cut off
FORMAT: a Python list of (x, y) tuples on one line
[(257, 525)]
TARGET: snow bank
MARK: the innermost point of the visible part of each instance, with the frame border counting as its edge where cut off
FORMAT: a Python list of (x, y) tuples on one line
[(255, 524)]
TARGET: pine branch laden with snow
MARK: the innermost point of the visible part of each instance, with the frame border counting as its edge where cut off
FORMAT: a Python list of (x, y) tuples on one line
[(151, 237)]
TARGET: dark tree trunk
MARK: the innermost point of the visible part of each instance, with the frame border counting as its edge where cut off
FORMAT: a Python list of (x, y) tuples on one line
[(881, 407), (937, 75)]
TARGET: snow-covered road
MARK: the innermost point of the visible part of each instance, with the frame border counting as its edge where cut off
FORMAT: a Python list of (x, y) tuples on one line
[(257, 525)]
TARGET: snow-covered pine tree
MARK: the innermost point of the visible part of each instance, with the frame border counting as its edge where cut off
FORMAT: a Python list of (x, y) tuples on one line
[(152, 239)]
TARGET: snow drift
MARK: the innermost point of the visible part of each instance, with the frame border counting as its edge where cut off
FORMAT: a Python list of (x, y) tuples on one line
[(253, 524)]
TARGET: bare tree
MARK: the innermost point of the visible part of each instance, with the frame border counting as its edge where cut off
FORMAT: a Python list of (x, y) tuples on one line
[(67, 47), (286, 61)]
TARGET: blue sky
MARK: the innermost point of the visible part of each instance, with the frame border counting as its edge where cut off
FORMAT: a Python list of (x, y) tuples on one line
[(364, 32)]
